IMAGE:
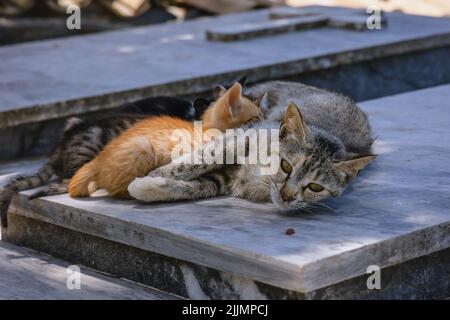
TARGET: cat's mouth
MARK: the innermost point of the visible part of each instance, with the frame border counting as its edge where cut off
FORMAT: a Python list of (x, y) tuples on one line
[(277, 200), (295, 206)]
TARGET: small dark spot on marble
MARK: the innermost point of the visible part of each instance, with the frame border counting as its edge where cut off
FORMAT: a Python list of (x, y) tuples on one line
[(290, 231)]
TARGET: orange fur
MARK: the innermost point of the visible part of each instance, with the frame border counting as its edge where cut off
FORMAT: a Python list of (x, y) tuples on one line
[(148, 145)]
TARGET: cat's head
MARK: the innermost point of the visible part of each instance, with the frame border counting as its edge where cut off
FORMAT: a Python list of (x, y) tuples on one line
[(314, 165), (231, 109)]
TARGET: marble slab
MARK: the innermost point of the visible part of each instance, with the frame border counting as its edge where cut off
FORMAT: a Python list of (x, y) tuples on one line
[(422, 278), (397, 210), (282, 21), (30, 275), (265, 28), (57, 78)]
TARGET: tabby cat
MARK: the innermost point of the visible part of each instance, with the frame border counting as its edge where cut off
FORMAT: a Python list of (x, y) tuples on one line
[(82, 140), (148, 144), (323, 146)]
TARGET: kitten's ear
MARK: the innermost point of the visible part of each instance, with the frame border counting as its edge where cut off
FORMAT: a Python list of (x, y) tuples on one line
[(352, 167), (293, 123), (71, 123), (233, 99), (243, 81), (218, 92), (200, 105), (263, 102)]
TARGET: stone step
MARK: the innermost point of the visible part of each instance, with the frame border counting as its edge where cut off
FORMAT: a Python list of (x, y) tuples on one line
[(288, 19), (44, 82), (29, 275), (396, 215)]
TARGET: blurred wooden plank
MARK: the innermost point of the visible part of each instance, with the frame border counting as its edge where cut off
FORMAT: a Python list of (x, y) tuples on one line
[(127, 8), (15, 7), (61, 6), (229, 6)]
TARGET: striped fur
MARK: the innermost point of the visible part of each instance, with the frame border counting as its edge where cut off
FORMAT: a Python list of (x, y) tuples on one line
[(51, 190), (23, 183), (82, 140), (148, 144)]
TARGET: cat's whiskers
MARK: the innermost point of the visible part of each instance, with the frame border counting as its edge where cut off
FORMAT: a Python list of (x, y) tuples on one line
[(325, 206), (272, 183), (309, 206)]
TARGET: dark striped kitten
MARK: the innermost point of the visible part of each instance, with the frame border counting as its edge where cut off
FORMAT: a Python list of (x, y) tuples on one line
[(81, 140)]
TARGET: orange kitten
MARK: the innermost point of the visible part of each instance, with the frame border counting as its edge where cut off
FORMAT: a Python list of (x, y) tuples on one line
[(148, 145)]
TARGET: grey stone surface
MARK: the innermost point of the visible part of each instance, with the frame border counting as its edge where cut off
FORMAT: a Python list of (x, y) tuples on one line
[(421, 278), (57, 78), (286, 19), (397, 210), (384, 77), (360, 81), (265, 28), (27, 274)]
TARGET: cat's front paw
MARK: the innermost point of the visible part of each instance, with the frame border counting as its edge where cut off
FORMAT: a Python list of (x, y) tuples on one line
[(168, 171), (150, 189), (158, 173)]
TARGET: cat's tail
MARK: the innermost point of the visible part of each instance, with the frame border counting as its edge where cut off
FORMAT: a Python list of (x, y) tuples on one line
[(83, 183), (51, 190), (21, 183)]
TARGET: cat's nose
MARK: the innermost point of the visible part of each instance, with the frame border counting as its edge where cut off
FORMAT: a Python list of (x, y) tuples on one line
[(287, 194), (287, 197)]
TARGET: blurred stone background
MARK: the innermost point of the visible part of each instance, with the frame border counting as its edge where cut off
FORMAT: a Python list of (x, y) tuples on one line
[(25, 20), (437, 8)]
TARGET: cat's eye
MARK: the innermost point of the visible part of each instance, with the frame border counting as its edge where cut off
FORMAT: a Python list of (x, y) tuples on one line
[(286, 167), (314, 187)]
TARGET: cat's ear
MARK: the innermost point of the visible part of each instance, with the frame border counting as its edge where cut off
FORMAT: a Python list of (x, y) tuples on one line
[(263, 102), (243, 81), (219, 91), (71, 123), (293, 124), (353, 166), (200, 105), (233, 99)]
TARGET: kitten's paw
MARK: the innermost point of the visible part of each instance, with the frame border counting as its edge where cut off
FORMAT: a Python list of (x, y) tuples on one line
[(92, 187), (150, 189), (179, 172), (157, 174), (100, 193)]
